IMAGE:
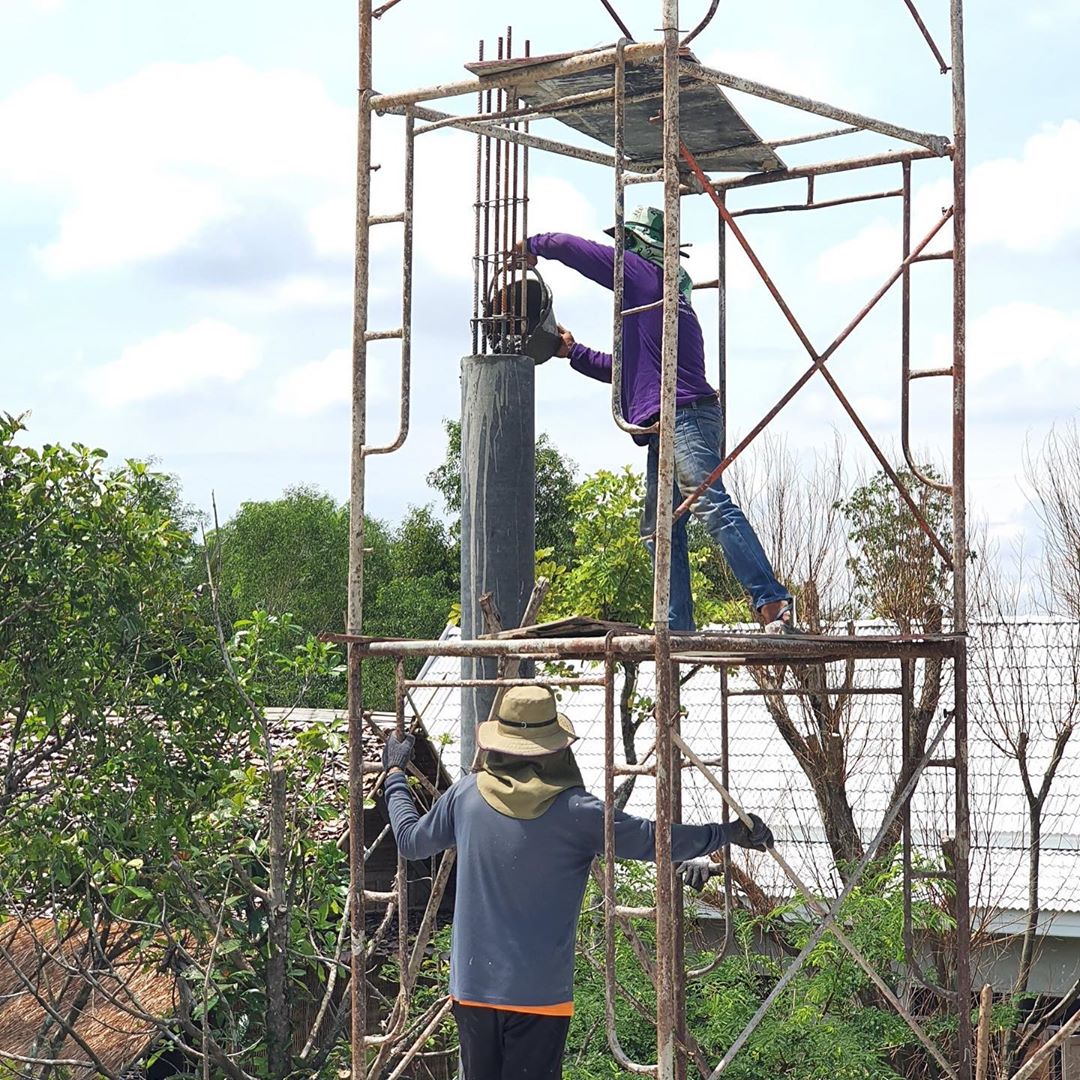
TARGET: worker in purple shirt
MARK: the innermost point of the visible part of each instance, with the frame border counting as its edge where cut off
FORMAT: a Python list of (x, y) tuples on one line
[(699, 420)]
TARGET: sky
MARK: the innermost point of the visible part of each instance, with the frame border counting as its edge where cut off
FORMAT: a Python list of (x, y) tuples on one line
[(176, 187)]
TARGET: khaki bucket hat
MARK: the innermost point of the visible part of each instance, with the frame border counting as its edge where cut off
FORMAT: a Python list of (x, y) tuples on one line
[(528, 725)]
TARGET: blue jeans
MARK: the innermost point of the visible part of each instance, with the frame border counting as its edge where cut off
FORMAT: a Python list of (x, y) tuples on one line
[(698, 430)]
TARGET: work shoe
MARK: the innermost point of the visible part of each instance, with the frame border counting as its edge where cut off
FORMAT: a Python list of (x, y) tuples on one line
[(778, 617)]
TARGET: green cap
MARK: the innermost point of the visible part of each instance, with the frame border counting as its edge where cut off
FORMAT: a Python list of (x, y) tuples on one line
[(647, 224)]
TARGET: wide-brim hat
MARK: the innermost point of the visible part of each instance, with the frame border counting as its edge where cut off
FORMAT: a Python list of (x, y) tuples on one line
[(647, 224), (528, 724)]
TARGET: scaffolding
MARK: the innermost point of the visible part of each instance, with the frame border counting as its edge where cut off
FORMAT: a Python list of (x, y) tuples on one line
[(662, 76)]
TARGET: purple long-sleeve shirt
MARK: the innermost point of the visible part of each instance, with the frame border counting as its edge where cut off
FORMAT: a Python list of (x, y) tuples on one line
[(643, 283)]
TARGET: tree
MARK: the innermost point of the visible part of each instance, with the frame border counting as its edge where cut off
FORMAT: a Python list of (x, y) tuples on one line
[(286, 556), (554, 485)]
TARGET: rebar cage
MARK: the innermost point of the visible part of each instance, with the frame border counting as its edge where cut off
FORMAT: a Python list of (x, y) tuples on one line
[(503, 89)]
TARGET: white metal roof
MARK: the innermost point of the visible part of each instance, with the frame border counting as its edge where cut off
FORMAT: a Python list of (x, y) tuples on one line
[(1034, 667)]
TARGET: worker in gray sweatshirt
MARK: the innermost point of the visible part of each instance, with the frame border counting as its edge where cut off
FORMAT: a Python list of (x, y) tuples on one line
[(526, 832)]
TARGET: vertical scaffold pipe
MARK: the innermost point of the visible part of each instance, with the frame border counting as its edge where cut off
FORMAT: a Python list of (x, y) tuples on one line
[(354, 611), (959, 553), (667, 766), (498, 512)]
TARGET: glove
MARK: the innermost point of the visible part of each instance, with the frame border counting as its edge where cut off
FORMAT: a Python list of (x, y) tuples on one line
[(759, 837), (696, 872), (397, 753)]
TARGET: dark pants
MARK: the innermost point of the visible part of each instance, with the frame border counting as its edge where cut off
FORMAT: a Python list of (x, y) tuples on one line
[(501, 1045)]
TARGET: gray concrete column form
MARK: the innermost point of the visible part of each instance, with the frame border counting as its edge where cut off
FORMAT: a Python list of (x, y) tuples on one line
[(498, 512)]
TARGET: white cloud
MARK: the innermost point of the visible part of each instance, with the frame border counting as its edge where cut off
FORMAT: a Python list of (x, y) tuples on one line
[(872, 252), (1039, 346), (144, 164), (315, 386), (174, 362), (1041, 178)]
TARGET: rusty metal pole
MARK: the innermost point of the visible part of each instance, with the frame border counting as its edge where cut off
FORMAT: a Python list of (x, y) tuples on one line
[(721, 324), (959, 507), (667, 766), (355, 609)]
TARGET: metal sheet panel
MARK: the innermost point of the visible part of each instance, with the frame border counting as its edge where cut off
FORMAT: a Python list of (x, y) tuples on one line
[(713, 129)]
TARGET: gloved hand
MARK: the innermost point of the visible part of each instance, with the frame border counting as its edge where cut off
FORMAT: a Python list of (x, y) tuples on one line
[(759, 837), (696, 872), (397, 753), (567, 342)]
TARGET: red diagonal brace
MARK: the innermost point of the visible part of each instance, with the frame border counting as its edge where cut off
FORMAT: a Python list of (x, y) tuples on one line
[(818, 365)]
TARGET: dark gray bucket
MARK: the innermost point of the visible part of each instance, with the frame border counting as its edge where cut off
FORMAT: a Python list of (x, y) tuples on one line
[(532, 332)]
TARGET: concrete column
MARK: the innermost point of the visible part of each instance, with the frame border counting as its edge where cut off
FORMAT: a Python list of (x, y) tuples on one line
[(498, 512)]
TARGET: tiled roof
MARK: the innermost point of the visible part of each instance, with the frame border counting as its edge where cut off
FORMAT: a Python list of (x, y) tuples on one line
[(1033, 667)]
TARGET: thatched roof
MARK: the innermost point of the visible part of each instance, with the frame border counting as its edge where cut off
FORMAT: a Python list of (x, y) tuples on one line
[(117, 995)]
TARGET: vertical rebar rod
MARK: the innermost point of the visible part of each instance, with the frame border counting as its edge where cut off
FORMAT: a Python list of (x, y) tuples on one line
[(905, 308), (477, 301), (488, 328), (525, 170), (959, 508), (508, 199), (355, 604), (666, 761), (496, 219)]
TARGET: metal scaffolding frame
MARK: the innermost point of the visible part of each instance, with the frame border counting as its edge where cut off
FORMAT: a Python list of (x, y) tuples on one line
[(503, 119)]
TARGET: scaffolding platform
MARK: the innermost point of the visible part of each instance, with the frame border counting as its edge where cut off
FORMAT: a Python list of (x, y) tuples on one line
[(713, 129)]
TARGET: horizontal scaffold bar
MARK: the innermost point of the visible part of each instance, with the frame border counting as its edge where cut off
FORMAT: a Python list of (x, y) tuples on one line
[(696, 648)]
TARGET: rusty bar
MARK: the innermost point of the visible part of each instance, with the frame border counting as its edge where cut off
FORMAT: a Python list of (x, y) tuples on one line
[(384, 335), (355, 602), (823, 168), (515, 212), (835, 691), (508, 196), (386, 219), (666, 773), (907, 683), (960, 550), (795, 140), (734, 645), (608, 880), (488, 280), (937, 144), (819, 364), (705, 20), (931, 256), (618, 21), (751, 211), (926, 34), (380, 11), (583, 680), (618, 282), (930, 373), (476, 303), (406, 299), (721, 325), (646, 53), (497, 241), (905, 342)]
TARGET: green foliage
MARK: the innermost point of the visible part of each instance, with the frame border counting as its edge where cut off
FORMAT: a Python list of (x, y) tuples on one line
[(897, 573), (828, 1024), (609, 574)]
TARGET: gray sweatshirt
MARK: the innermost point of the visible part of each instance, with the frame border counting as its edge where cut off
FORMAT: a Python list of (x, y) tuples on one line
[(520, 883)]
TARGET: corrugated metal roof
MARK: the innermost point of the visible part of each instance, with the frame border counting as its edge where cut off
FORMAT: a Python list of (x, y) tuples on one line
[(1034, 669)]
